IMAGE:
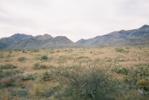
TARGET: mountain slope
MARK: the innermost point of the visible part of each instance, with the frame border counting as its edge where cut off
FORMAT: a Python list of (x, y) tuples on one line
[(138, 36), (43, 42), (9, 41)]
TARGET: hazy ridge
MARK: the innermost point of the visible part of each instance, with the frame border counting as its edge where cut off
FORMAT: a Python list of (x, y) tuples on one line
[(138, 36)]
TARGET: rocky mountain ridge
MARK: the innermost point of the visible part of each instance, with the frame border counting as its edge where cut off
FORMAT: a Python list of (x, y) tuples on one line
[(138, 36), (133, 37)]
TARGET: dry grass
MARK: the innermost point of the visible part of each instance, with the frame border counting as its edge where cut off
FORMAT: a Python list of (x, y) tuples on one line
[(59, 60)]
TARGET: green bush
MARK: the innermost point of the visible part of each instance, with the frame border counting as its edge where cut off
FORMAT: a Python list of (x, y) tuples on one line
[(141, 71), (94, 84)]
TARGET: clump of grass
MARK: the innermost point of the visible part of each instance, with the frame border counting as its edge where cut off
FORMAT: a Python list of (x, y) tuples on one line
[(1, 73), (46, 76), (38, 66), (40, 90), (20, 93), (7, 82), (8, 66), (121, 70), (8, 73), (44, 57), (27, 77), (24, 51), (141, 71), (1, 55), (143, 84), (22, 59), (121, 50), (4, 95)]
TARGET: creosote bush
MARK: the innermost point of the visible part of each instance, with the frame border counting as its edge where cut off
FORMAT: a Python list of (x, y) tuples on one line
[(94, 84)]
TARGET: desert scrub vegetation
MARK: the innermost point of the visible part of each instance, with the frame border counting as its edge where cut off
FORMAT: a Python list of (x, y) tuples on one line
[(143, 84), (120, 70), (140, 71), (121, 50), (136, 77), (93, 73), (94, 84)]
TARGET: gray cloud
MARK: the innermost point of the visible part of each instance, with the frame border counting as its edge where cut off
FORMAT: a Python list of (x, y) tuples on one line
[(73, 18)]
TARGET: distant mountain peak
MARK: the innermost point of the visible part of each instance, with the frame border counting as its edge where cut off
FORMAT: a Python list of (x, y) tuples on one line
[(20, 36), (144, 27), (43, 37), (47, 35)]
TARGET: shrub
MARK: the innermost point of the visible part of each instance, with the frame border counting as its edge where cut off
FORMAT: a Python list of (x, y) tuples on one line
[(24, 51), (1, 73), (4, 95), (120, 70), (1, 55), (92, 84), (20, 93), (5, 74), (37, 66), (143, 84), (22, 59), (46, 76), (41, 90), (140, 72), (7, 82), (8, 66), (26, 77), (121, 50), (44, 57), (8, 73), (35, 50)]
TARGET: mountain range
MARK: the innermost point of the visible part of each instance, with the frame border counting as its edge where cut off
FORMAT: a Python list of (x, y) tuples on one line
[(138, 36), (133, 37), (23, 41)]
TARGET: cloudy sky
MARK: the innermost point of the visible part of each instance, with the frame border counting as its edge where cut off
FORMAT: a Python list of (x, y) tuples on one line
[(72, 18)]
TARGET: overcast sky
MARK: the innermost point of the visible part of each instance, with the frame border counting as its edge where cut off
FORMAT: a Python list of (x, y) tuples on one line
[(72, 18)]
